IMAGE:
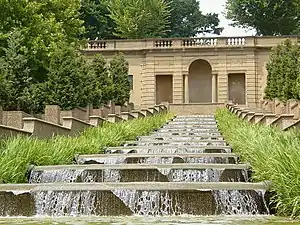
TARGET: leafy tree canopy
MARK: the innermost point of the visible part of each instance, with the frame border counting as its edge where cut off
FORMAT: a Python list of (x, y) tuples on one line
[(140, 19), (42, 23), (97, 21), (187, 20), (105, 19), (268, 17)]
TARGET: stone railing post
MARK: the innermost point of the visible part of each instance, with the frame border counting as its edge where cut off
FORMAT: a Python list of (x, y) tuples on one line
[(52, 114), (279, 107)]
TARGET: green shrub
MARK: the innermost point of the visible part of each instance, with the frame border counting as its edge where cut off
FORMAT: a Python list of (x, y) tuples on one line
[(283, 72), (16, 154), (273, 154)]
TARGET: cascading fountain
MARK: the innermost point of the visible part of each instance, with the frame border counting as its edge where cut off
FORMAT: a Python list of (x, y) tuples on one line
[(185, 167)]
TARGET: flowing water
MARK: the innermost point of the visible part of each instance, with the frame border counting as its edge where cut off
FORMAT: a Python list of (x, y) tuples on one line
[(136, 220), (155, 202)]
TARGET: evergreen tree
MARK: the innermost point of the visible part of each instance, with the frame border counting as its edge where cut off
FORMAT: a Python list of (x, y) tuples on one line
[(69, 83), (14, 72), (119, 74), (283, 72), (103, 86)]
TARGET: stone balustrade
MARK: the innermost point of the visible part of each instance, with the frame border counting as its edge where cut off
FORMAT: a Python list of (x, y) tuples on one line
[(71, 122), (284, 115), (182, 43)]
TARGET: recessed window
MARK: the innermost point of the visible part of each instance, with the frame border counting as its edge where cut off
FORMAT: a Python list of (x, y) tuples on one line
[(130, 79)]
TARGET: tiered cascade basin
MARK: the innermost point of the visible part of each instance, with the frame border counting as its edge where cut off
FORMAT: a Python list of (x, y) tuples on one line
[(163, 172), (145, 158), (184, 168), (115, 199), (165, 149), (177, 142)]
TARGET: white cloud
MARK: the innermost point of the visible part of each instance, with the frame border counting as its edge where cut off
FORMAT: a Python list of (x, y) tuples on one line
[(218, 6)]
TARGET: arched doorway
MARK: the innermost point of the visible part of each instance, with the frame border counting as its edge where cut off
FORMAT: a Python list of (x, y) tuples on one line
[(200, 82)]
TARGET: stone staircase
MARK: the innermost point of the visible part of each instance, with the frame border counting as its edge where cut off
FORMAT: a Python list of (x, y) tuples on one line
[(185, 167)]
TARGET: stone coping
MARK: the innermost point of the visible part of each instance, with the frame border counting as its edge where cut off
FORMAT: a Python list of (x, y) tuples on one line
[(167, 155), (204, 129), (147, 186), (89, 167), (182, 135), (169, 147), (29, 119), (75, 119), (13, 129), (177, 130), (185, 104), (171, 141)]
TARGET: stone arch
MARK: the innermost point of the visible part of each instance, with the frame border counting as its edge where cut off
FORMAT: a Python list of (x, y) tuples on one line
[(200, 81)]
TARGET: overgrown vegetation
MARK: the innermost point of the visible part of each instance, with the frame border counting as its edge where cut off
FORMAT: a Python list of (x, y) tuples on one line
[(284, 72), (273, 154), (16, 154)]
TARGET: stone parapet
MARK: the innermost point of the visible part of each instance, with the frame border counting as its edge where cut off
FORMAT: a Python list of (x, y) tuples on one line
[(113, 118), (96, 121), (56, 123), (43, 129), (75, 125)]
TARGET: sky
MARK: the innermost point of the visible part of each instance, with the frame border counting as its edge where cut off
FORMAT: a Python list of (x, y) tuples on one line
[(218, 6)]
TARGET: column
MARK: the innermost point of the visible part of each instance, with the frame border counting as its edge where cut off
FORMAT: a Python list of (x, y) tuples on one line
[(214, 88), (186, 88)]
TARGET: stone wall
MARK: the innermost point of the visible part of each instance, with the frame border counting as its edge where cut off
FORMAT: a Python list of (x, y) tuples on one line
[(285, 115), (58, 122), (195, 109), (152, 59)]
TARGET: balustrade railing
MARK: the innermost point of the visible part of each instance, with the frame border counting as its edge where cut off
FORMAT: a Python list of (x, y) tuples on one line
[(236, 41), (163, 43), (97, 45), (204, 42), (199, 42)]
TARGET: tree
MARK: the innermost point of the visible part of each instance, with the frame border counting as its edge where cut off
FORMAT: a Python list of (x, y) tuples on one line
[(14, 72), (187, 20), (283, 72), (69, 82), (103, 87), (140, 19), (43, 24), (276, 17), (97, 21), (119, 73)]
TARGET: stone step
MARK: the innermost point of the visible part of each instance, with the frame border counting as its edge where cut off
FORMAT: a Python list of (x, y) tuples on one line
[(177, 172), (189, 126), (140, 198), (165, 149), (177, 143), (196, 130), (141, 186), (179, 138), (171, 123), (141, 166), (186, 134), (142, 158), (195, 116)]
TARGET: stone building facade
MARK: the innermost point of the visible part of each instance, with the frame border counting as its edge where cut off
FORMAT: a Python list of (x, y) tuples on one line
[(194, 70)]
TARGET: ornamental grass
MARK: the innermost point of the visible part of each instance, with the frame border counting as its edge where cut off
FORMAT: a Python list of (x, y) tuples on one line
[(273, 154), (17, 154)]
